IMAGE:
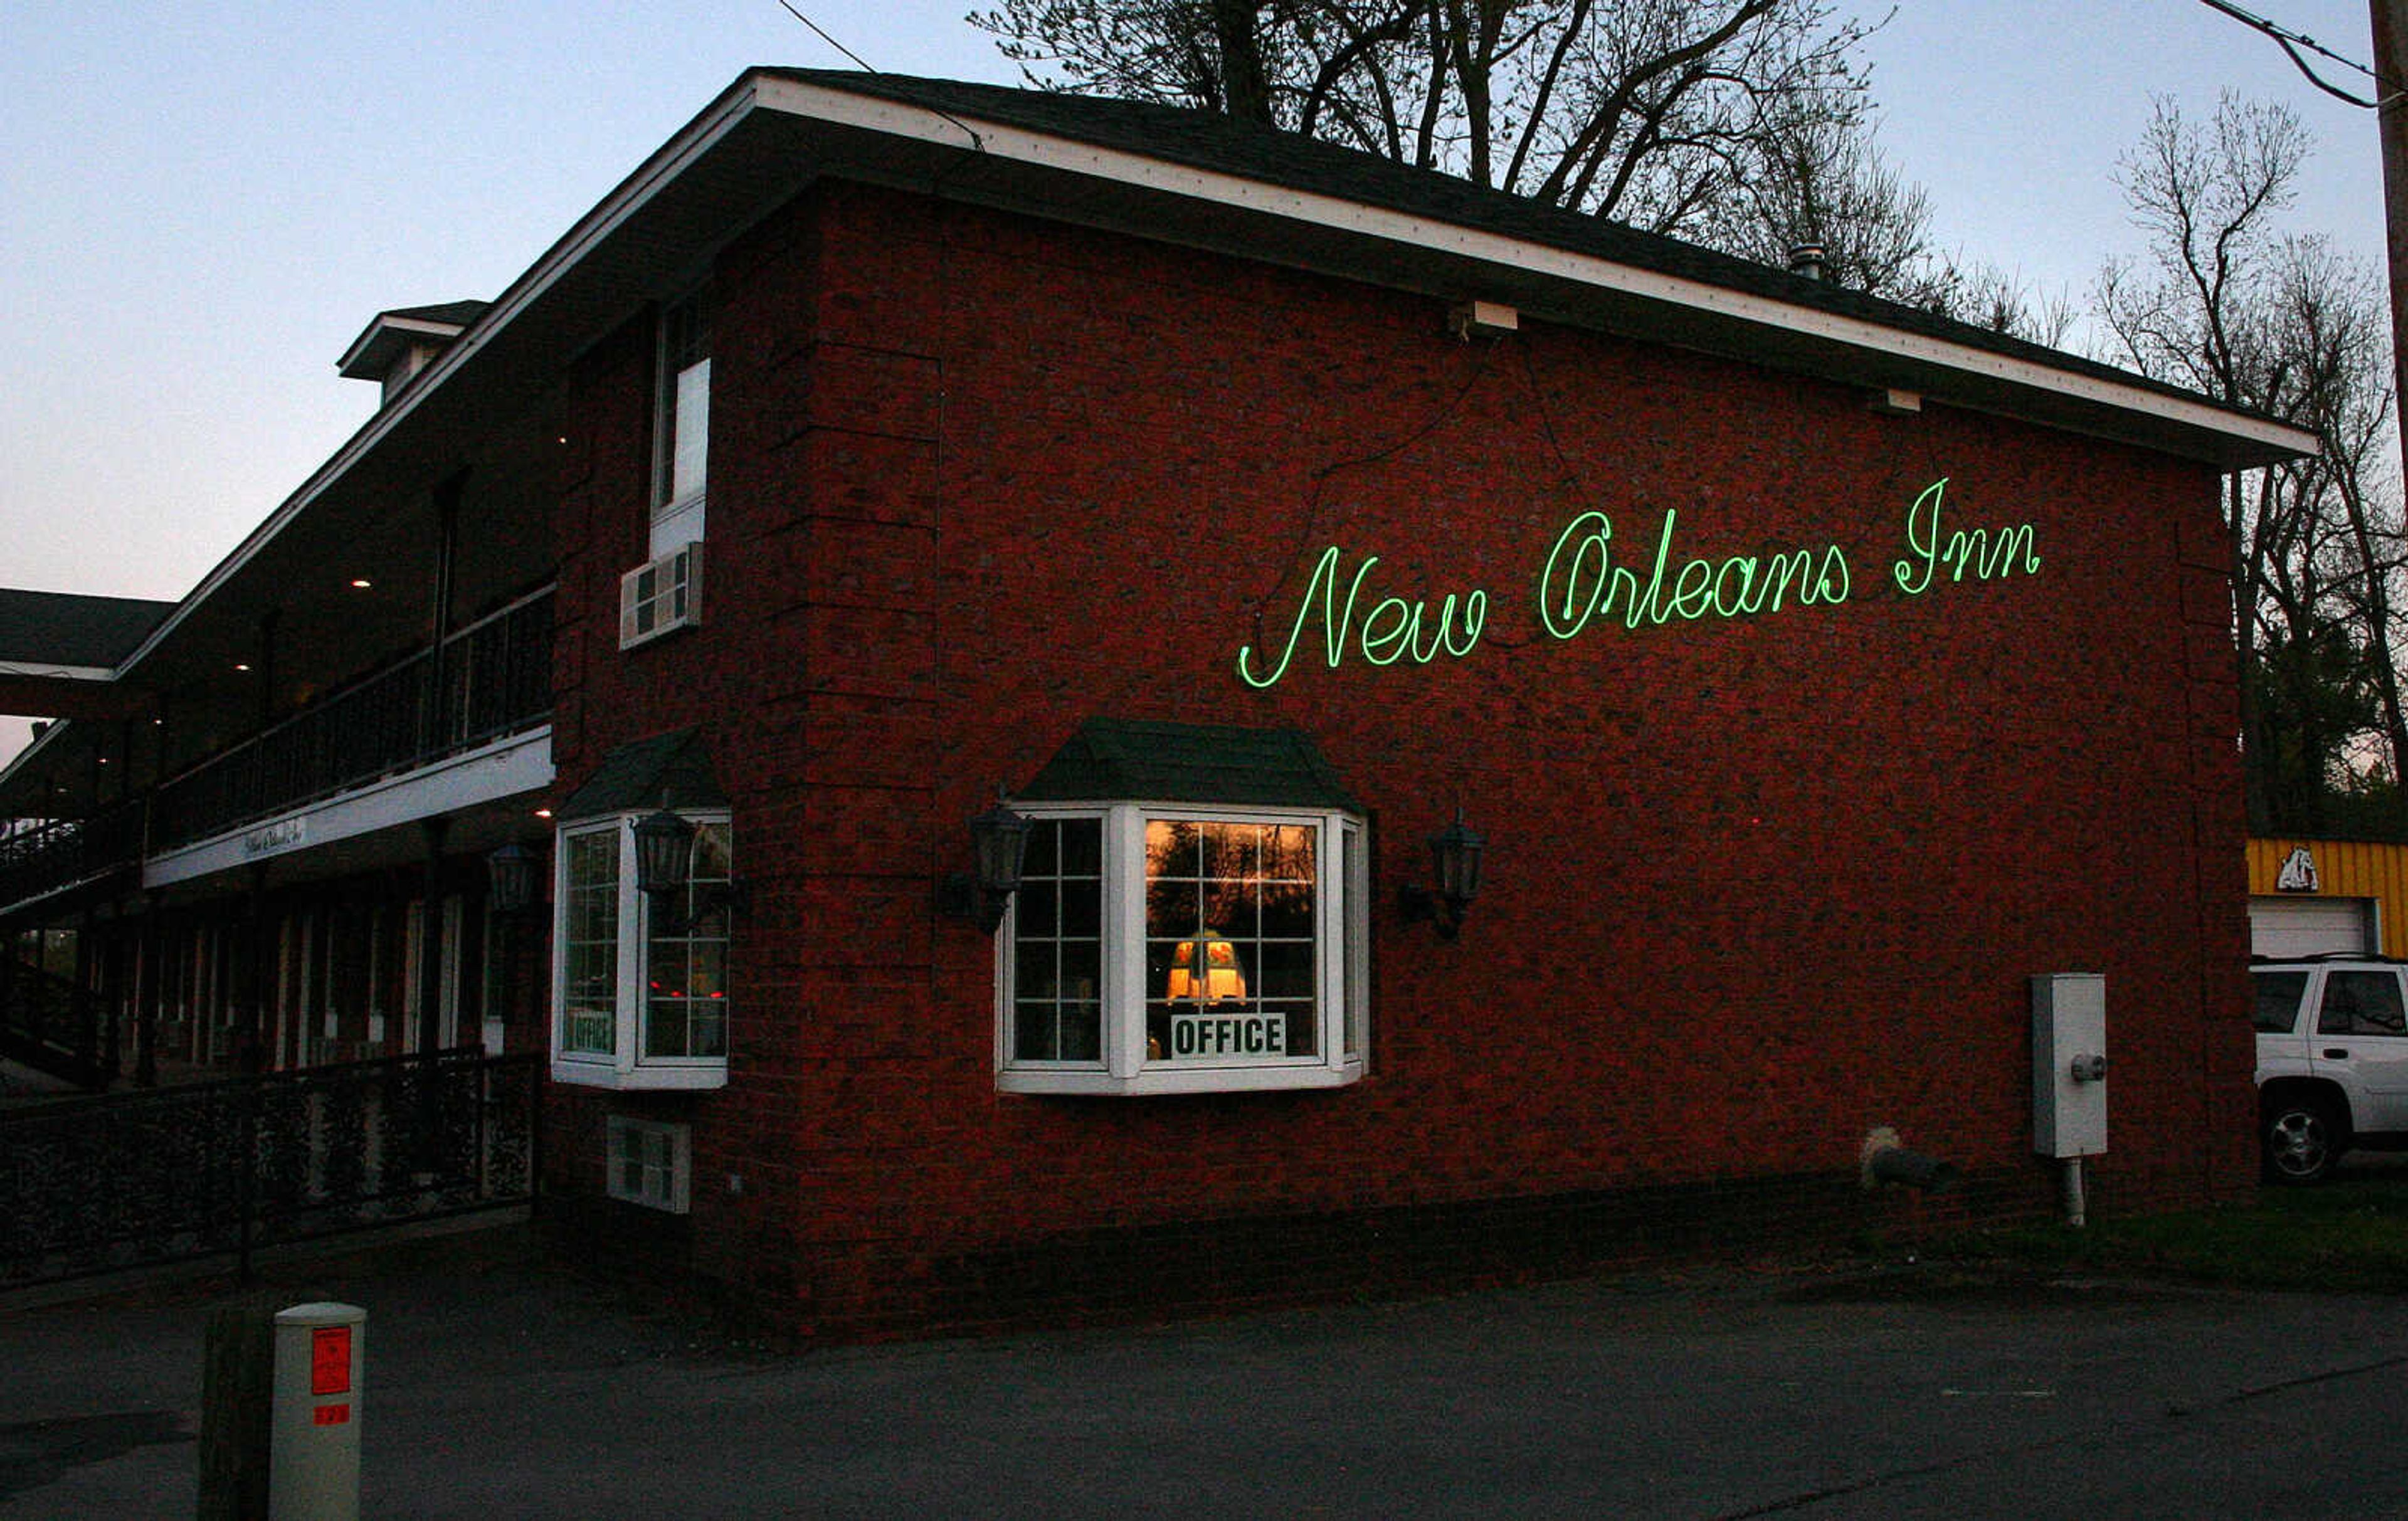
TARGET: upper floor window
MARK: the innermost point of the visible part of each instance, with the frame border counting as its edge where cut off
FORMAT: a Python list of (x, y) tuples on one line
[(681, 423)]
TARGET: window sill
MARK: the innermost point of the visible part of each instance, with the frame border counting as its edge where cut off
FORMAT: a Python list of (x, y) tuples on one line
[(602, 1074), (1033, 1080)]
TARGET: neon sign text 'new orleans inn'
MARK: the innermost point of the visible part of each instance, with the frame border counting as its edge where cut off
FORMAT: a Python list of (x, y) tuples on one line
[(1580, 585)]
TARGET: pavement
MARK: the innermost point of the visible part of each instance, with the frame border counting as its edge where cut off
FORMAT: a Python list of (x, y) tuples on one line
[(498, 1384)]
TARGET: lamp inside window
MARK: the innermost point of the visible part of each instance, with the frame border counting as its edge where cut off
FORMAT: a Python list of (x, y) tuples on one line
[(1221, 975)]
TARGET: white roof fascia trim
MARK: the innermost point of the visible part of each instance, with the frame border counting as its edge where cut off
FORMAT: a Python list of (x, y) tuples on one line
[(664, 166), (414, 326), (73, 674), (1047, 151), (419, 324)]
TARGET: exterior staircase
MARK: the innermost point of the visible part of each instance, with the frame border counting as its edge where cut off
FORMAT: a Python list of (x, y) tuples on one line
[(46, 1026)]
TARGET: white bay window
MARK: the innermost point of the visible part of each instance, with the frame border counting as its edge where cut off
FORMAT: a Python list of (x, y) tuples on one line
[(1161, 948), (639, 988)]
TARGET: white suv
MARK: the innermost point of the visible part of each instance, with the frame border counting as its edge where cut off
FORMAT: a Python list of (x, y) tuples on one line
[(2332, 1060)]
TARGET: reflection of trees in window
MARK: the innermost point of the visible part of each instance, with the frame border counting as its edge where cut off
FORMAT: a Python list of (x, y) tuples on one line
[(1251, 885)]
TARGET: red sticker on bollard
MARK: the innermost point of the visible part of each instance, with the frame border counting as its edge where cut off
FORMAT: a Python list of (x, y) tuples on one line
[(331, 1416), (330, 1361)]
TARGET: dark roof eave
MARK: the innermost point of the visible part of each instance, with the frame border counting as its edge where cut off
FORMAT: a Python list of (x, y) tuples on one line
[(73, 630), (1144, 168), (774, 131)]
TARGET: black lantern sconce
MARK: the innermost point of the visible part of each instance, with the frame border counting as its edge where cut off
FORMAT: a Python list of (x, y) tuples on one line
[(665, 872), (510, 878), (664, 854), (1000, 839), (1454, 856)]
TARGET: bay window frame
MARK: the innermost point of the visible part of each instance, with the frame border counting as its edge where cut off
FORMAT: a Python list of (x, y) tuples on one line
[(1341, 950), (626, 1065)]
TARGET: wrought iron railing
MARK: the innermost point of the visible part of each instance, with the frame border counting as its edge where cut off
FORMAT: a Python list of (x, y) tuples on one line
[(94, 1185), (490, 680), (63, 852)]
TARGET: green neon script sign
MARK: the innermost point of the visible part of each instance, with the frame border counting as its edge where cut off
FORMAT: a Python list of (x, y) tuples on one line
[(1344, 615), (1389, 631)]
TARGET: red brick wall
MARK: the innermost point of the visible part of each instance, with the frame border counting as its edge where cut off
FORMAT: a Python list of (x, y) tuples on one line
[(1755, 885)]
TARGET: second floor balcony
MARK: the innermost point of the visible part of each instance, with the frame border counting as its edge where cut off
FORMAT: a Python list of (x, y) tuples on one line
[(486, 683), (489, 680)]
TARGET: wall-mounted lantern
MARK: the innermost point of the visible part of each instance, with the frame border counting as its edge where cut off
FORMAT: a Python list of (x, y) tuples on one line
[(664, 854), (1454, 859), (665, 872), (1000, 838), (510, 878)]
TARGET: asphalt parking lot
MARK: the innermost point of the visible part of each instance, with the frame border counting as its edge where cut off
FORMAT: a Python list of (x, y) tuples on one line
[(499, 1386)]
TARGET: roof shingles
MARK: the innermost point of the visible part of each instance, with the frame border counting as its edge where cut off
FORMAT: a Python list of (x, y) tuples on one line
[(62, 629)]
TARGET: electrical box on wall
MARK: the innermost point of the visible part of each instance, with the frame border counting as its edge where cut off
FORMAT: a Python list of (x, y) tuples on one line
[(2069, 1064)]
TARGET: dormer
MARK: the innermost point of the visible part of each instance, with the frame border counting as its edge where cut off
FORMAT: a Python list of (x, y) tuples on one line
[(400, 343)]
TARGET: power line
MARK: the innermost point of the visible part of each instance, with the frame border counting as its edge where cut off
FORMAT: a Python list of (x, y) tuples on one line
[(977, 142), (2291, 42), (848, 52)]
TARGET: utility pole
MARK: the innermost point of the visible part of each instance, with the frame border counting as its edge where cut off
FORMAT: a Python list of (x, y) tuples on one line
[(2391, 122), (2390, 17)]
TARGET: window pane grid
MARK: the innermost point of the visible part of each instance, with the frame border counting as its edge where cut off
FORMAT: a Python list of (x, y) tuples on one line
[(1212, 942), (590, 950), (686, 994), (1057, 944)]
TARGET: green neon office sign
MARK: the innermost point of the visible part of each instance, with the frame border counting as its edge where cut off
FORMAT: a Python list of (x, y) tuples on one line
[(1582, 584)]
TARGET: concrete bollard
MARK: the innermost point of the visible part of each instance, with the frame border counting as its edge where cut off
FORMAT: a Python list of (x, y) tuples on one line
[(314, 1441)]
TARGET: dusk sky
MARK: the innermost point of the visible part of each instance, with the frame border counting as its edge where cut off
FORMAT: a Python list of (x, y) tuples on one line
[(201, 205)]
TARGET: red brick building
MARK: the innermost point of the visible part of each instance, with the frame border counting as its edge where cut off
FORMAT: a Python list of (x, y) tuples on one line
[(1242, 513)]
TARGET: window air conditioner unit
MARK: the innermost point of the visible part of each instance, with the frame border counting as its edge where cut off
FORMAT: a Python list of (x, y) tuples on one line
[(662, 596)]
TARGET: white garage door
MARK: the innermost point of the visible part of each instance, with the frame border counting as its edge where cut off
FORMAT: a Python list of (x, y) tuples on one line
[(2306, 927)]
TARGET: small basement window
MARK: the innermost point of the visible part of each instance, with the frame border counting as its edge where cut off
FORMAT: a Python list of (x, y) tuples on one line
[(652, 1163)]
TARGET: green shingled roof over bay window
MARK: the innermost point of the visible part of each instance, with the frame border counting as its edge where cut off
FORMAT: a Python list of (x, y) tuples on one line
[(1161, 762), (667, 770)]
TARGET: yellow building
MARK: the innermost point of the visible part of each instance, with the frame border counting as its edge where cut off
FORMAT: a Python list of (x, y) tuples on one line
[(2312, 895)]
